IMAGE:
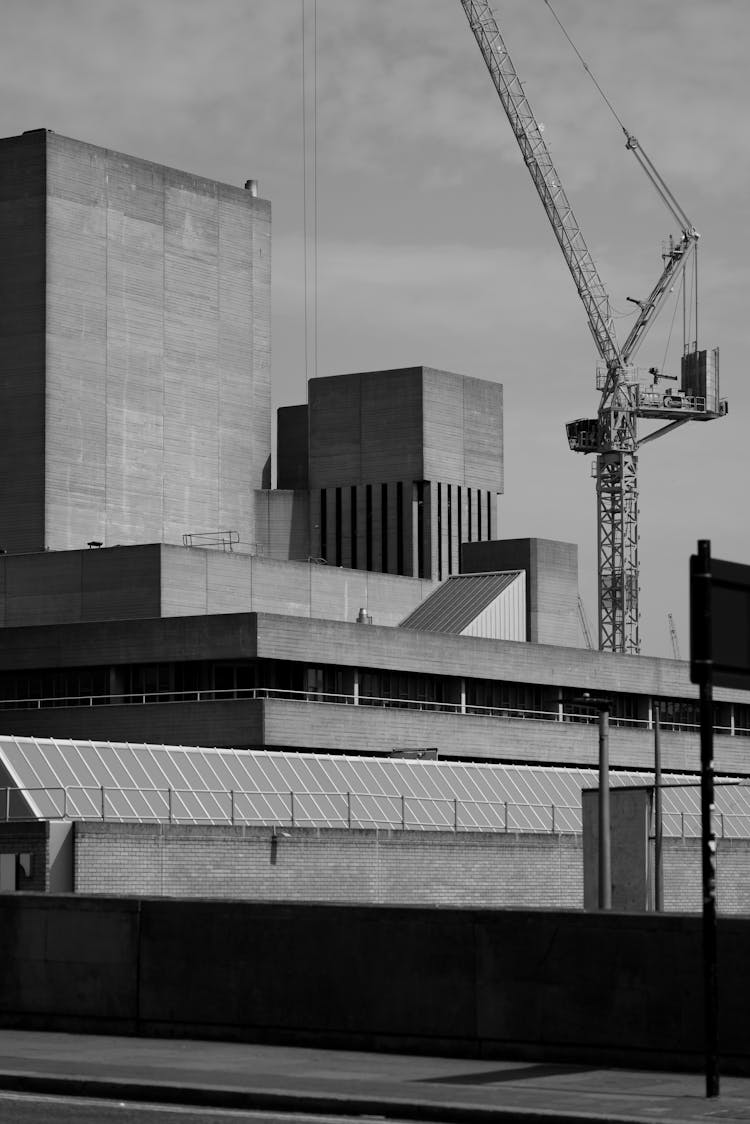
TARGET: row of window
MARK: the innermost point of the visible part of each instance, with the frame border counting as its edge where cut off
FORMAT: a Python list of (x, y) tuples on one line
[(204, 679)]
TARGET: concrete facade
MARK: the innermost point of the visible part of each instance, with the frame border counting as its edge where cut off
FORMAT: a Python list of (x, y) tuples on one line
[(551, 569), (402, 466), (338, 686), (135, 346), (162, 580)]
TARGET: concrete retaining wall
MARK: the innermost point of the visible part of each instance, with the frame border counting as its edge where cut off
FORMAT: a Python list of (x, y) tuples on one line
[(594, 988)]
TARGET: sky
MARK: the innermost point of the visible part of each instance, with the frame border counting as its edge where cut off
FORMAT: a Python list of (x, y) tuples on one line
[(406, 229)]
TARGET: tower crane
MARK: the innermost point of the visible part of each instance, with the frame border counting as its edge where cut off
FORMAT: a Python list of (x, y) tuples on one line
[(626, 395)]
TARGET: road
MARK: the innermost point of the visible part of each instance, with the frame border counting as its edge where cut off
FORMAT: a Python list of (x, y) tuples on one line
[(21, 1108)]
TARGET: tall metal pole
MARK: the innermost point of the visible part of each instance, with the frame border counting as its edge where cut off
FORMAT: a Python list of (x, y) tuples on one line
[(605, 852), (702, 657), (658, 862)]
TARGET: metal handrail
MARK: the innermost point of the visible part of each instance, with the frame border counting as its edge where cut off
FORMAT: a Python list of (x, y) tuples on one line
[(244, 694), (394, 810), (391, 809)]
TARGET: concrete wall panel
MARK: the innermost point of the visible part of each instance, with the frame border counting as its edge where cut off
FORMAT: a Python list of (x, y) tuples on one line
[(292, 447), (593, 988), (22, 340)]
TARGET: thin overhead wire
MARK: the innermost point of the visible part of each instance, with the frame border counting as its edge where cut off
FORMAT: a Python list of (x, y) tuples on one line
[(315, 186), (589, 71), (310, 190), (304, 180), (671, 329)]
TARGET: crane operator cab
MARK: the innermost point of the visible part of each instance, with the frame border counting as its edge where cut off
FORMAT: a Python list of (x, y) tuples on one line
[(583, 435)]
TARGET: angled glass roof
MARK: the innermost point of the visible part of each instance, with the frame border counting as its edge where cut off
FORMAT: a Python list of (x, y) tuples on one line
[(42, 778), (459, 601)]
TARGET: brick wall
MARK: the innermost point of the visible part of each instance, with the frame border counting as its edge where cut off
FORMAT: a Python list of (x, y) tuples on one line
[(304, 864), (379, 867), (682, 875)]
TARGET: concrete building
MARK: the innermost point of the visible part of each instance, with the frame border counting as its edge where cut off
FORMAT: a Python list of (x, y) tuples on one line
[(135, 343), (209, 609), (402, 467)]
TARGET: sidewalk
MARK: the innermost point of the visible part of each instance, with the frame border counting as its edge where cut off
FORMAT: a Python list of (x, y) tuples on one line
[(228, 1075)]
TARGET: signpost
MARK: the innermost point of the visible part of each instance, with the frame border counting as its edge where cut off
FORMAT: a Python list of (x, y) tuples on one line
[(719, 654)]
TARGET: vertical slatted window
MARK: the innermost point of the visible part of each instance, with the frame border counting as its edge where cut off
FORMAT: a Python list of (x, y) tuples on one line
[(459, 520), (353, 525), (323, 524), (368, 526), (384, 528), (400, 528), (479, 515), (440, 530), (420, 528), (338, 527), (450, 528)]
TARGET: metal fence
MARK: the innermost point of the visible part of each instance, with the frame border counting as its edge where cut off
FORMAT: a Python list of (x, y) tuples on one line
[(335, 809)]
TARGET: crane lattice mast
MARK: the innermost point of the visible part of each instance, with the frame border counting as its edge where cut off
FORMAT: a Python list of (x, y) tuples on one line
[(612, 435)]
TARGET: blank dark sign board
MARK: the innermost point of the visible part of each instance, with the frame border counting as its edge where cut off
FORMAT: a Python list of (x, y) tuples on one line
[(722, 636)]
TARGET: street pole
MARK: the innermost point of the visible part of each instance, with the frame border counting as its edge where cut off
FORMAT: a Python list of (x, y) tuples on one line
[(605, 847), (658, 867), (603, 706), (701, 625)]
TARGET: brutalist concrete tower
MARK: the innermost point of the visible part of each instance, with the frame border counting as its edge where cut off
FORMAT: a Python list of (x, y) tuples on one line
[(401, 466), (134, 349)]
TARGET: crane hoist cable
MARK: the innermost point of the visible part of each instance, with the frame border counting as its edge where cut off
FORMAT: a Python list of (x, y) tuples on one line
[(633, 145), (310, 192)]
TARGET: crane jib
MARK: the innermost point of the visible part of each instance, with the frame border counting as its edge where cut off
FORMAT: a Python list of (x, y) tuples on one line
[(612, 434)]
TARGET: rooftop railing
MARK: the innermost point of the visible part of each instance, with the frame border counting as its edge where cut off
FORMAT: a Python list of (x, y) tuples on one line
[(334, 809), (235, 694)]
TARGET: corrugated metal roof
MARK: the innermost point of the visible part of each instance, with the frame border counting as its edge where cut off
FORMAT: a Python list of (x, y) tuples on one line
[(459, 601), (141, 783)]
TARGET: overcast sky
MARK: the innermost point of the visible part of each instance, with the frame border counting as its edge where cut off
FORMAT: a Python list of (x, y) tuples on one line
[(432, 246)]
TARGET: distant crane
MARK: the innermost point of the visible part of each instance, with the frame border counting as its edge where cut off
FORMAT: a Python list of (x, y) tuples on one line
[(673, 637), (625, 394), (583, 618)]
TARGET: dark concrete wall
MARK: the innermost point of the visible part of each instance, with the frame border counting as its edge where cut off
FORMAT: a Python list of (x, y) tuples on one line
[(292, 447), (594, 988), (22, 340), (66, 587), (163, 580)]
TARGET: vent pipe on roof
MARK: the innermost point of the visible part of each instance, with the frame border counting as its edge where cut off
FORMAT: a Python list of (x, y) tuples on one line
[(363, 617), (251, 186)]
